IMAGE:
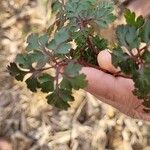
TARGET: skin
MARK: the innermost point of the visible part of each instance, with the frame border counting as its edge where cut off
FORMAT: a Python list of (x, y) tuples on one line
[(5, 145), (115, 91)]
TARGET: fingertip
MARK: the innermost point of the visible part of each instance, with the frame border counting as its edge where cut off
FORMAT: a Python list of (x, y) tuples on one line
[(105, 61)]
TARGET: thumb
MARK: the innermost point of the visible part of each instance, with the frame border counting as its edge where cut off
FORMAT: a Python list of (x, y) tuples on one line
[(105, 61)]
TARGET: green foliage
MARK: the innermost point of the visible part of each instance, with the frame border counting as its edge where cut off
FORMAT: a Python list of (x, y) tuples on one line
[(103, 14), (132, 20), (89, 57), (92, 10), (137, 65), (143, 80), (56, 6), (72, 69), (124, 61), (146, 57), (16, 72), (78, 82), (145, 32), (58, 44), (26, 60), (87, 54), (46, 83), (36, 42), (127, 36), (100, 43), (32, 84), (60, 98), (75, 43)]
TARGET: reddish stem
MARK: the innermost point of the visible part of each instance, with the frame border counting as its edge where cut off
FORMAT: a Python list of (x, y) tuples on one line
[(57, 77), (117, 74), (90, 44)]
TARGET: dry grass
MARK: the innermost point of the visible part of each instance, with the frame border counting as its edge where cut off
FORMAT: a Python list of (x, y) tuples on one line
[(29, 123)]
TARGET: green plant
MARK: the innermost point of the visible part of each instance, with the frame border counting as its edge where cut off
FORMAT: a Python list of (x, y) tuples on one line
[(76, 21)]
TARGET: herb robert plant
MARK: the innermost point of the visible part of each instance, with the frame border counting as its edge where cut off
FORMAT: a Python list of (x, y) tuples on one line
[(75, 21)]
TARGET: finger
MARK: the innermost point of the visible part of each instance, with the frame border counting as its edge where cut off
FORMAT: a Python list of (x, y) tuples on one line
[(105, 61), (139, 115), (116, 92), (98, 81), (115, 89), (5, 145)]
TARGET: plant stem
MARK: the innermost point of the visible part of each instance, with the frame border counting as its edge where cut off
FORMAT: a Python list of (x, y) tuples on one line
[(57, 77), (117, 74), (91, 46)]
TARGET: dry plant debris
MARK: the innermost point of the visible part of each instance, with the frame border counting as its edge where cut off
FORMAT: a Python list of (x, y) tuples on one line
[(26, 119)]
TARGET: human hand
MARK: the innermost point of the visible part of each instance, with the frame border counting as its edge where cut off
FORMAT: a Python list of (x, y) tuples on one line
[(115, 91)]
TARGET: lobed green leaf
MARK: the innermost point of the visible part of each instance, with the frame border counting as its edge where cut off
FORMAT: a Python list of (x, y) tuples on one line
[(128, 36), (16, 72), (26, 60), (72, 69), (59, 44), (46, 83), (60, 98), (132, 20), (36, 42), (145, 32)]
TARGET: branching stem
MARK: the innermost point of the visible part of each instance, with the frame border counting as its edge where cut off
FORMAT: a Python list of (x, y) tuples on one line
[(117, 74)]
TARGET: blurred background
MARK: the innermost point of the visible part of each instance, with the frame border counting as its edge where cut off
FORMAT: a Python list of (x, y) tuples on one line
[(27, 122)]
